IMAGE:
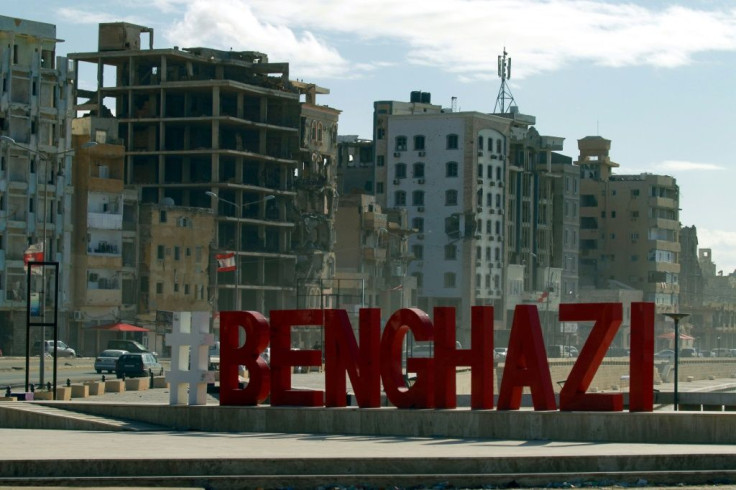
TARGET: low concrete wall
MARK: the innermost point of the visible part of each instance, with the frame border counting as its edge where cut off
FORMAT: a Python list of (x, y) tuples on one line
[(651, 427)]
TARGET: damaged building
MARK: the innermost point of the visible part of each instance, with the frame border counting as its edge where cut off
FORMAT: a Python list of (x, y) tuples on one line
[(228, 131)]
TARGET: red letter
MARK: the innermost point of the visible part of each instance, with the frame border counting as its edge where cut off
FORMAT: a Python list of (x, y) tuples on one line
[(283, 358), (641, 359), (421, 395), (479, 357), (232, 356), (526, 364), (607, 318), (342, 355)]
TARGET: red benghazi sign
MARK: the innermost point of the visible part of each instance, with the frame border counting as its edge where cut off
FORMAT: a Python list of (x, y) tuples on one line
[(377, 359)]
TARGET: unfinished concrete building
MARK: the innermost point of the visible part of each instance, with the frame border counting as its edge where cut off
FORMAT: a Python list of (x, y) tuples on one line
[(226, 130)]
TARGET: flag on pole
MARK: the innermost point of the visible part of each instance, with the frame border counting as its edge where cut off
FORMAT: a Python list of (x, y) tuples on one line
[(34, 253), (225, 262)]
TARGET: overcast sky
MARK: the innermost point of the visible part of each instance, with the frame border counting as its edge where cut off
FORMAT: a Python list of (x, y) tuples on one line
[(655, 77)]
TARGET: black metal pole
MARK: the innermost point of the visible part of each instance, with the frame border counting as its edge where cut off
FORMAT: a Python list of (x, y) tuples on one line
[(677, 354)]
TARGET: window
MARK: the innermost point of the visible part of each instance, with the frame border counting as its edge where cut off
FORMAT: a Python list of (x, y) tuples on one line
[(419, 142), (498, 228), (451, 169), (498, 200), (480, 171), (418, 170), (176, 287), (401, 143), (420, 279), (380, 161), (452, 142), (499, 146), (489, 172), (634, 192), (498, 173), (489, 199), (400, 198), (379, 187), (418, 224), (490, 144), (451, 197), (400, 171), (489, 227), (488, 280), (380, 133), (478, 253), (177, 253), (417, 198), (450, 252), (449, 279), (160, 252), (418, 251), (159, 288), (162, 216)]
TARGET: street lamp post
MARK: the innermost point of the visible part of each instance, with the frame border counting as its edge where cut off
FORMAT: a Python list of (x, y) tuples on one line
[(676, 317), (238, 245)]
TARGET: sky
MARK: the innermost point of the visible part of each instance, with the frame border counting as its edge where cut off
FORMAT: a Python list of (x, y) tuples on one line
[(655, 77)]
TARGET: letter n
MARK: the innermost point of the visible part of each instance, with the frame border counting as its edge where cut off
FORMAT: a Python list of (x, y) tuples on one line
[(526, 364), (342, 355)]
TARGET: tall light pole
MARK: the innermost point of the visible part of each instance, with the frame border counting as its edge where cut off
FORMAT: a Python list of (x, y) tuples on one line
[(676, 317), (241, 207)]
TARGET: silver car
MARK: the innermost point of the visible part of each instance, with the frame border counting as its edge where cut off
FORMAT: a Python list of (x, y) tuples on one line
[(107, 359)]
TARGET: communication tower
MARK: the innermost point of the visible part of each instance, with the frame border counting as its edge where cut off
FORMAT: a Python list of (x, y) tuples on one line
[(504, 99)]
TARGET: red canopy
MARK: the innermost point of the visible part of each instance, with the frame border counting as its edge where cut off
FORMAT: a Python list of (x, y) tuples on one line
[(671, 335), (121, 327)]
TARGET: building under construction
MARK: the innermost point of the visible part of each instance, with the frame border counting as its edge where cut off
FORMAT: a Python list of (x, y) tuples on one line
[(226, 130)]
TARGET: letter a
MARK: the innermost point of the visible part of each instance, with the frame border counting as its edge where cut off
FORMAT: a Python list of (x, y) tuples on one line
[(526, 364)]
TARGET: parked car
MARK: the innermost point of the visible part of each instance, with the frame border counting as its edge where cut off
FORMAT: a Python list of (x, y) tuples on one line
[(571, 351), (137, 364), (499, 353), (48, 348), (721, 352), (127, 345), (688, 352), (667, 354), (107, 360)]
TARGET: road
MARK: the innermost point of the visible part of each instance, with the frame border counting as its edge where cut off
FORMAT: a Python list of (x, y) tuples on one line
[(13, 370)]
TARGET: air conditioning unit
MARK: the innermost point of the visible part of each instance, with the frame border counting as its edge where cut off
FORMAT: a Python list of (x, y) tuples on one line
[(420, 236), (420, 209), (500, 211), (500, 184), (480, 181), (494, 157), (397, 182), (493, 183), (422, 154), (478, 263), (480, 153), (78, 316), (492, 211), (479, 209), (421, 181), (397, 154)]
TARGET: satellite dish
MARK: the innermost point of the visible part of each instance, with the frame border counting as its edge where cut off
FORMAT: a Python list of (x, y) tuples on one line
[(167, 201)]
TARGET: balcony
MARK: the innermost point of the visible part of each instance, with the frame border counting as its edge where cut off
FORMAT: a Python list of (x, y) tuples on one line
[(374, 221), (105, 221), (374, 253)]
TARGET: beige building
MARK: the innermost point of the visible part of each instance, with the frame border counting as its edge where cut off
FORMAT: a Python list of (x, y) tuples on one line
[(35, 171), (373, 257), (175, 263), (226, 131), (629, 228)]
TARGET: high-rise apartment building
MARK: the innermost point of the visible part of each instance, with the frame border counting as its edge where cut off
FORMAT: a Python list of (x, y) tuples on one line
[(226, 130), (36, 110), (629, 227)]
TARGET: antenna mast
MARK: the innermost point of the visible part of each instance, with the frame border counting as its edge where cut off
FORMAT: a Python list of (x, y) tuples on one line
[(504, 99)]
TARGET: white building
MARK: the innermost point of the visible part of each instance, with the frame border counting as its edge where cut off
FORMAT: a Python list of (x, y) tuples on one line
[(35, 167)]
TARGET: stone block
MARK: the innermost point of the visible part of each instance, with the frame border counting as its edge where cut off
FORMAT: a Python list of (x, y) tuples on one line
[(137, 384), (80, 391), (96, 388), (690, 379), (43, 395), (160, 382), (64, 393), (115, 386), (8, 399)]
